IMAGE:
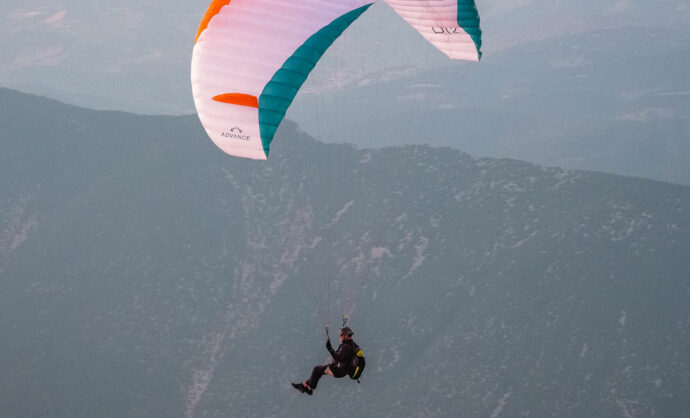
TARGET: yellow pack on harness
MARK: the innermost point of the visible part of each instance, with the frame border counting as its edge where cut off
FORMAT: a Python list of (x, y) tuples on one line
[(358, 363)]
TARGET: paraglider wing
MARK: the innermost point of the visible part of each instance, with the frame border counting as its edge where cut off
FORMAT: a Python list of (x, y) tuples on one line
[(250, 59), (450, 25)]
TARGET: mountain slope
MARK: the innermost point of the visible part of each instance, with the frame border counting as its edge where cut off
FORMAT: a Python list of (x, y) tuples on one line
[(145, 273)]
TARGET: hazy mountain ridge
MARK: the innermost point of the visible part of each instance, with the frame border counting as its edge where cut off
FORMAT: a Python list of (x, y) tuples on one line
[(156, 276), (584, 85), (596, 104), (135, 55)]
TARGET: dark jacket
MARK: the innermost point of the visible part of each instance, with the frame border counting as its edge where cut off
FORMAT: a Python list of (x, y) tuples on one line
[(343, 356)]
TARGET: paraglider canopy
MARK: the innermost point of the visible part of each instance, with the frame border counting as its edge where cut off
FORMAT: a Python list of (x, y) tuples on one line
[(250, 58)]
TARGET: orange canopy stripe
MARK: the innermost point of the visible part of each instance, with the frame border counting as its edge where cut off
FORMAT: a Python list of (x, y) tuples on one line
[(213, 9), (238, 99)]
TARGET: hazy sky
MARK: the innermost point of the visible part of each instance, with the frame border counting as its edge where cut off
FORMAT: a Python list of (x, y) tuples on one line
[(134, 55), (557, 79)]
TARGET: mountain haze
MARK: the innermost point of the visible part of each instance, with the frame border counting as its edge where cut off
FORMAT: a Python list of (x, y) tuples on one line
[(595, 102), (596, 85), (145, 273), (134, 55)]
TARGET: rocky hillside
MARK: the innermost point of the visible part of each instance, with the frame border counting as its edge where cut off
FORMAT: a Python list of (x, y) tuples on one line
[(146, 274)]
